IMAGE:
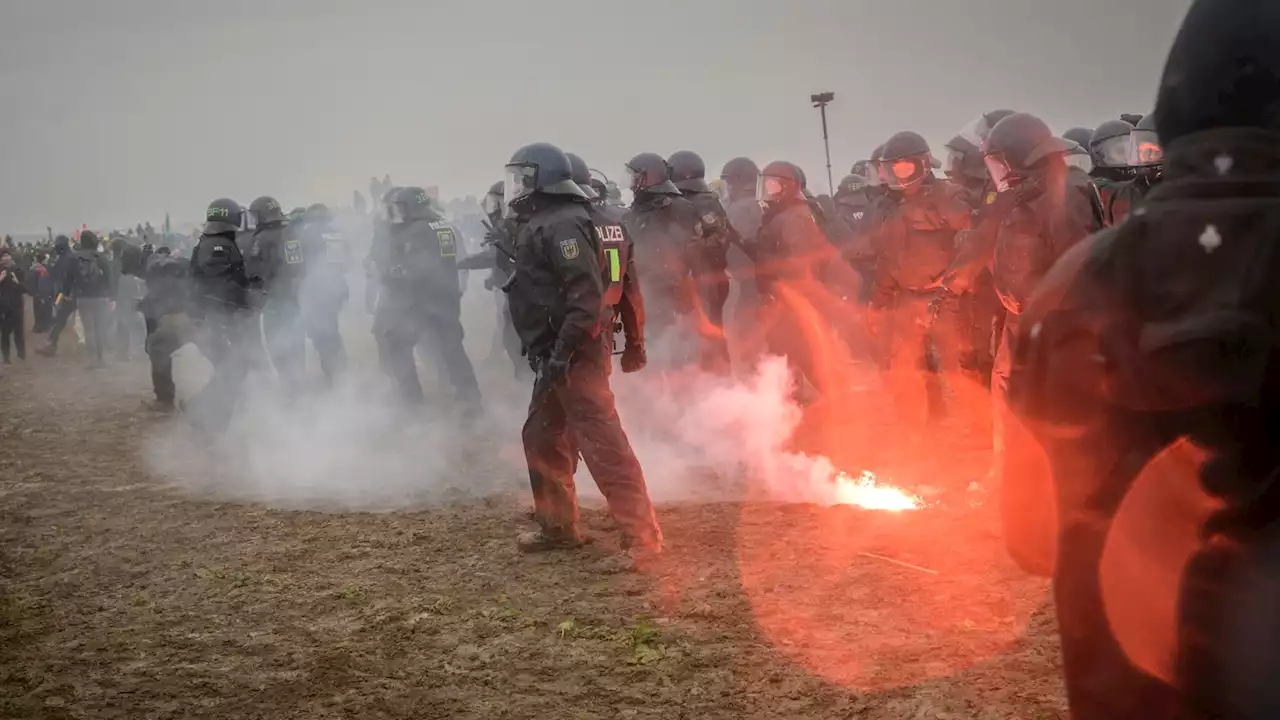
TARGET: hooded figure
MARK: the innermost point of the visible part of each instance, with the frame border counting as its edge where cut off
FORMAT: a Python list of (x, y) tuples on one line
[(1145, 373)]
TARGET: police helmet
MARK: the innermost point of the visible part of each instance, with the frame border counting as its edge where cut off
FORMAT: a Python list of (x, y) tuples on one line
[(1079, 135), (582, 175), (906, 159), (851, 183), (649, 174), (223, 215), (410, 203), (265, 211), (1017, 144), (740, 172), (1110, 144), (540, 168), (493, 199), (779, 180), (1145, 150), (688, 171), (319, 213)]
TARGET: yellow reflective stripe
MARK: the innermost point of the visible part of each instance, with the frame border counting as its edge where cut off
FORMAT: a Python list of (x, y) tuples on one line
[(615, 265)]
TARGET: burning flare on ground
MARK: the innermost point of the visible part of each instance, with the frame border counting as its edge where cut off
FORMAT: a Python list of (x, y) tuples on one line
[(865, 492)]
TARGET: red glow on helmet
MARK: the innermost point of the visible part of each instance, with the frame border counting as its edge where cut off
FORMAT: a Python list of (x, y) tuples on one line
[(1149, 152), (904, 169)]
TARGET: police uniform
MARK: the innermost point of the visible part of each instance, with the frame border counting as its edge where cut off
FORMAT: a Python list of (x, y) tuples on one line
[(915, 242), (708, 260), (276, 262), (325, 292), (623, 299), (557, 297), (421, 301), (664, 228), (221, 301)]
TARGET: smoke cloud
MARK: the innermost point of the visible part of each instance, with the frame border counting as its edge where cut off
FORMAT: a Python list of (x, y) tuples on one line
[(699, 437)]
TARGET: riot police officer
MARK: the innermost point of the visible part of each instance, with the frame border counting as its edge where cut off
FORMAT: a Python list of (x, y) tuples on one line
[(663, 225), (738, 180), (221, 301), (421, 298), (1143, 168), (623, 301), (708, 255), (794, 257), (275, 263), (915, 245), (557, 299), (853, 205), (324, 289), (1111, 170)]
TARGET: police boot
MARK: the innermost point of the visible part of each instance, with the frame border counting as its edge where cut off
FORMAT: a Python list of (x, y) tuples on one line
[(544, 540), (164, 407)]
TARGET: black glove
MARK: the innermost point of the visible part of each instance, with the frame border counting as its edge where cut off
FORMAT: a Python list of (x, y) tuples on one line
[(550, 372), (634, 358)]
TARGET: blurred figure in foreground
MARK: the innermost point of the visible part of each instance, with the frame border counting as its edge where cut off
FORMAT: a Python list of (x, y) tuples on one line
[(1145, 368)]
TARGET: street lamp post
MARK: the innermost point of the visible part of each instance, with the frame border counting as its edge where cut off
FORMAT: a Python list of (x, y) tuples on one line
[(820, 101)]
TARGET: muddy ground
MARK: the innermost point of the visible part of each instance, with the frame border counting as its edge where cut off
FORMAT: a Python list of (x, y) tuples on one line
[(124, 596)]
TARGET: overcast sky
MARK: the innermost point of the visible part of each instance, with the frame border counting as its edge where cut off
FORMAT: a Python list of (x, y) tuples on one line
[(116, 111)]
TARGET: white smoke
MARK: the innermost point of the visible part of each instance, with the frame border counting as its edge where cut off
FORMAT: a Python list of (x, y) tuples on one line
[(699, 437), (708, 438)]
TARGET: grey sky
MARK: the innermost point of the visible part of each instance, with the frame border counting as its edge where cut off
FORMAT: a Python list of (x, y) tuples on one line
[(116, 111)]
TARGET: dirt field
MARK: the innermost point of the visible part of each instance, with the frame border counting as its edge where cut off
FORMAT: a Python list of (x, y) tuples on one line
[(121, 596)]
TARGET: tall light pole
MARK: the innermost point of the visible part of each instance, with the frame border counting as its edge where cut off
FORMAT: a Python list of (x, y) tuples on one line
[(820, 101)]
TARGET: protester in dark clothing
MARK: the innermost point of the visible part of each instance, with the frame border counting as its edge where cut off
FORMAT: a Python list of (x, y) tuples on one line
[(12, 291), (1145, 369), (64, 304), (89, 282), (40, 284)]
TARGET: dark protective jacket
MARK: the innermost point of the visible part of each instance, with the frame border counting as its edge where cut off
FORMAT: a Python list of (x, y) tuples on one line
[(168, 286), (219, 280), (618, 265), (275, 261), (328, 259), (664, 228), (792, 248), (64, 259), (713, 234), (1155, 339), (422, 261), (556, 294), (73, 283), (1053, 213), (856, 211), (915, 237), (1011, 221), (12, 288)]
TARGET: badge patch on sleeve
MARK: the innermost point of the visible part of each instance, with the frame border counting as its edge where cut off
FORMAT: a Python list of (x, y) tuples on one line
[(448, 243), (292, 252), (569, 248)]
